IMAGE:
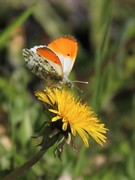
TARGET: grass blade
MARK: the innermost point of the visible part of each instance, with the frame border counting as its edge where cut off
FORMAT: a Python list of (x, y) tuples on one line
[(20, 20)]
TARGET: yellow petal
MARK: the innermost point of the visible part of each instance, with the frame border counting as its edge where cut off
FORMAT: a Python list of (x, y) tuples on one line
[(54, 111), (55, 118)]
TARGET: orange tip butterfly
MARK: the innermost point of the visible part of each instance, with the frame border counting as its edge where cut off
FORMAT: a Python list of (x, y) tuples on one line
[(54, 62)]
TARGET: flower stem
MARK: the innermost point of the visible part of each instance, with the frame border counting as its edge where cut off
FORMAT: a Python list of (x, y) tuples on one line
[(19, 171)]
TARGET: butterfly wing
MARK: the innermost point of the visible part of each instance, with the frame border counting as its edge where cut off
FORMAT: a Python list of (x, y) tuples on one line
[(65, 48), (51, 58), (43, 62)]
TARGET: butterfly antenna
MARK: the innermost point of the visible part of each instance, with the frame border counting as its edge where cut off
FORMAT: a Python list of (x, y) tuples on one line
[(81, 82), (78, 88)]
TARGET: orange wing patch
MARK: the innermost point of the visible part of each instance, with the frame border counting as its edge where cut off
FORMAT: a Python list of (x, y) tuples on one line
[(49, 55), (66, 45)]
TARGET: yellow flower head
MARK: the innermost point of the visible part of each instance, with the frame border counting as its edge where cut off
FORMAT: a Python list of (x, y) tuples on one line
[(74, 116)]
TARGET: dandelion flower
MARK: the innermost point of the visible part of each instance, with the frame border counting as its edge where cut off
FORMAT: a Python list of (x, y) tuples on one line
[(74, 116)]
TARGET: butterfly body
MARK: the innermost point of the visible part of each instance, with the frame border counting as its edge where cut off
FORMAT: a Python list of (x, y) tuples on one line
[(54, 62)]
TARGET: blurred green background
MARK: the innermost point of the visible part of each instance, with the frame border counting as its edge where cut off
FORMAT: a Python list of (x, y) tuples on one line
[(105, 31)]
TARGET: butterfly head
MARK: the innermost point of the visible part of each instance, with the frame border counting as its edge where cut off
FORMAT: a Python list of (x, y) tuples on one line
[(67, 82)]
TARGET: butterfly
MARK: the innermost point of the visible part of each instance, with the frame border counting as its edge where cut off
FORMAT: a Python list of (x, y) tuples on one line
[(53, 62)]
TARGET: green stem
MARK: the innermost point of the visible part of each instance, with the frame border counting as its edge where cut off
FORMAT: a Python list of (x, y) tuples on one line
[(19, 171)]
